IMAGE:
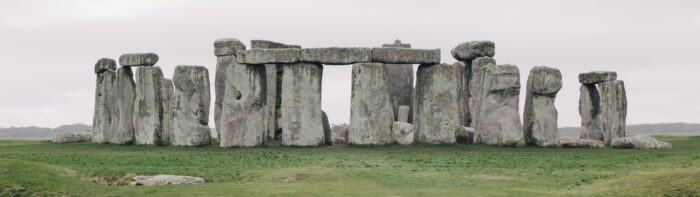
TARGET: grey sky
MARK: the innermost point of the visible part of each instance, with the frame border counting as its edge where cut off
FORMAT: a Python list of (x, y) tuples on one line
[(48, 48)]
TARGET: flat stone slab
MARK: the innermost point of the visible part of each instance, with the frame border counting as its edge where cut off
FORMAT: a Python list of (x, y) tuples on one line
[(138, 59), (580, 143), (267, 56), (105, 64), (266, 44), (471, 50), (227, 46), (405, 55), (73, 137), (166, 180), (596, 77), (336, 55), (640, 142)]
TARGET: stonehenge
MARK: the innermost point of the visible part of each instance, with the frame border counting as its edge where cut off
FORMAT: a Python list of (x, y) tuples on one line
[(540, 116), (190, 116), (603, 109), (371, 112)]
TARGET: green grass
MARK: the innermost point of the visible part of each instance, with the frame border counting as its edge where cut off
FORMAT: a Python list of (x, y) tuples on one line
[(46, 169)]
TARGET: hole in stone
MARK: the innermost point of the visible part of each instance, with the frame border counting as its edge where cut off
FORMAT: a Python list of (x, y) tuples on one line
[(238, 95)]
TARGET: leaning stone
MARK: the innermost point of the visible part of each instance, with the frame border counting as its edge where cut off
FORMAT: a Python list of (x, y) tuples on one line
[(614, 109), (104, 105), (166, 180), (191, 106), (475, 84), (267, 56), (589, 107), (402, 133), (640, 142), (404, 113), (168, 92), (469, 51), (105, 64), (301, 119), (73, 137), (465, 135), (371, 112), (326, 129), (336, 55), (122, 129), (400, 85), (405, 55), (243, 113), (580, 143), (596, 77), (436, 113), (148, 106), (265, 44), (138, 59), (227, 46), (498, 119), (540, 115)]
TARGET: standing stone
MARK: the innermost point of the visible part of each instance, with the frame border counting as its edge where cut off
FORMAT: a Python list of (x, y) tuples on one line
[(400, 84), (473, 88), (191, 106), (404, 114), (589, 107), (104, 99), (614, 109), (300, 106), (225, 50), (371, 113), (497, 106), (436, 113), (167, 91), (122, 131), (327, 129), (148, 106), (540, 115), (243, 111)]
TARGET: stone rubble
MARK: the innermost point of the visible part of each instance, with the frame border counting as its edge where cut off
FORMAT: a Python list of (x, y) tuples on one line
[(73, 137), (580, 143), (166, 180), (336, 55)]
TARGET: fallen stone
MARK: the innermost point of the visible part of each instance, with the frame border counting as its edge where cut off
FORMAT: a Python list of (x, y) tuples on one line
[(580, 143), (371, 112), (404, 113), (191, 106), (122, 129), (105, 64), (138, 59), (498, 119), (104, 105), (400, 85), (436, 112), (73, 137), (265, 44), (227, 46), (398, 44), (475, 85), (465, 135), (614, 109), (168, 91), (336, 55), (640, 142), (166, 180), (596, 77), (402, 133), (589, 107), (225, 50), (300, 107), (148, 106), (469, 51), (267, 56), (405, 55), (540, 114), (244, 112), (326, 129)]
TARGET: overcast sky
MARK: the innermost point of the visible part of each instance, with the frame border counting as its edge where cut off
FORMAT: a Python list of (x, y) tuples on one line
[(48, 48)]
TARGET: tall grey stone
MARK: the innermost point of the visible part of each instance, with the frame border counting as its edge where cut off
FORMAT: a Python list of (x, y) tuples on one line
[(371, 113), (300, 107), (589, 107), (471, 50), (122, 129), (640, 142), (498, 119), (138, 59), (243, 111), (614, 109), (540, 114), (326, 129), (473, 88), (168, 92), (225, 51), (436, 104), (472, 55), (191, 106), (104, 99), (148, 106), (400, 84)]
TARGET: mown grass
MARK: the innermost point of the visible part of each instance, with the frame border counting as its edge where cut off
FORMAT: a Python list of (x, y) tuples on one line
[(43, 168)]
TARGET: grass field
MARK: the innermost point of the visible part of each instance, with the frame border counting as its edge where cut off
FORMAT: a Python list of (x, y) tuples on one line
[(85, 169)]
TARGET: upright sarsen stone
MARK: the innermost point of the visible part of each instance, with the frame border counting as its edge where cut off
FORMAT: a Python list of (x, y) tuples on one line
[(191, 106), (104, 99), (168, 92), (473, 88), (243, 113), (148, 106), (122, 129), (498, 119), (540, 115), (589, 107), (225, 50), (371, 113), (614, 109), (300, 109), (400, 84), (436, 113)]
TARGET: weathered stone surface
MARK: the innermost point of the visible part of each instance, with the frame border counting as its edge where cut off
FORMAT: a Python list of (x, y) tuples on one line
[(469, 51), (596, 77), (191, 106), (613, 109), (589, 107), (336, 55), (436, 113), (168, 91), (105, 64), (148, 106), (498, 119), (122, 129), (465, 135), (400, 85), (580, 143), (326, 129), (166, 180), (73, 137), (342, 136), (540, 114), (227, 46), (138, 59), (404, 113), (265, 44), (244, 112), (371, 112), (639, 142), (104, 105), (474, 87), (267, 56), (405, 55), (402, 133), (398, 44), (300, 109)]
